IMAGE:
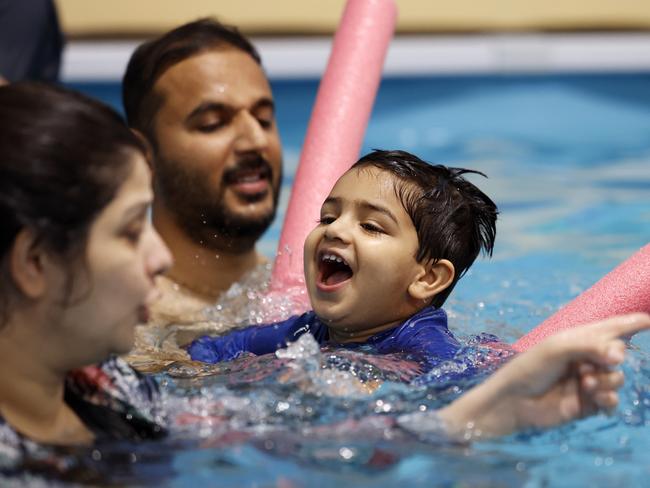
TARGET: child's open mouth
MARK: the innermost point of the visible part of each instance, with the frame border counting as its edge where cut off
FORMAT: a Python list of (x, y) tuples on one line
[(333, 271)]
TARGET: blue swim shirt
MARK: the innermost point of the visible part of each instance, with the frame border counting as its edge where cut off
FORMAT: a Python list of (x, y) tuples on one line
[(423, 335)]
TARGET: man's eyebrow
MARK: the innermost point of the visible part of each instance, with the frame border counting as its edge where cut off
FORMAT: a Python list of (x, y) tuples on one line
[(264, 103), (376, 208), (210, 106)]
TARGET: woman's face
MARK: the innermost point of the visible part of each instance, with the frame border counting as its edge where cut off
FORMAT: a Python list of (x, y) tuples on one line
[(123, 256)]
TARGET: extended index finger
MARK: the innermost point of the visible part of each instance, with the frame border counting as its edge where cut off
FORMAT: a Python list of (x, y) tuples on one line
[(625, 325)]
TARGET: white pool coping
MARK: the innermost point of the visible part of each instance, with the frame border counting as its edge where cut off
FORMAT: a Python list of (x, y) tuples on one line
[(298, 57)]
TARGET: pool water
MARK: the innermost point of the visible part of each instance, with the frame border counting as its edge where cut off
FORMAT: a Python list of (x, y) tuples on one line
[(568, 160)]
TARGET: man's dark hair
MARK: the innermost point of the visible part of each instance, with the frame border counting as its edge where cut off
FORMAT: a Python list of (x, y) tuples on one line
[(453, 219), (151, 59)]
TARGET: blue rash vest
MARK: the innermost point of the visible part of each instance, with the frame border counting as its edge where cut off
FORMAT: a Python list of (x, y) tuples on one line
[(425, 335)]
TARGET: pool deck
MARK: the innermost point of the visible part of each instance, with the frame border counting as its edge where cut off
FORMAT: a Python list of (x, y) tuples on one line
[(306, 57)]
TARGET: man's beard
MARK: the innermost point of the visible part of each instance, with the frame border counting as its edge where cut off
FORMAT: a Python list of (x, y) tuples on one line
[(201, 210)]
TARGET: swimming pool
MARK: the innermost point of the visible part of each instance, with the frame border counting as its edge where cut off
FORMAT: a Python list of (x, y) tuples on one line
[(568, 160)]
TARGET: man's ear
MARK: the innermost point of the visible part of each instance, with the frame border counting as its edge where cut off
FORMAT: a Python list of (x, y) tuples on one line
[(148, 148), (27, 260), (432, 279)]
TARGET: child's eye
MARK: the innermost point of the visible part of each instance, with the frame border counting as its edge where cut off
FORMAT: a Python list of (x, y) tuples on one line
[(375, 229), (325, 220)]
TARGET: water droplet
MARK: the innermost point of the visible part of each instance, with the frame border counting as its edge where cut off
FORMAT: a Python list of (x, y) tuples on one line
[(346, 453)]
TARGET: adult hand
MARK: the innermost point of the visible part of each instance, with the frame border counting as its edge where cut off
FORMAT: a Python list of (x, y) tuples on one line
[(567, 376)]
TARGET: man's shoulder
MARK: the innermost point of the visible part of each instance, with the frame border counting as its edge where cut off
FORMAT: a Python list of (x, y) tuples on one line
[(176, 304)]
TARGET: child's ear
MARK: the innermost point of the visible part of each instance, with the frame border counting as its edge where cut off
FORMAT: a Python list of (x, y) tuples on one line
[(432, 279), (26, 264)]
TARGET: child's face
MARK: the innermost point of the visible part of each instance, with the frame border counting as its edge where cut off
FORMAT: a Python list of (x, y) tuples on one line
[(360, 258)]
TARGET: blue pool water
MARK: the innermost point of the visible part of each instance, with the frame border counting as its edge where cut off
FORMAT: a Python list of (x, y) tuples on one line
[(568, 160)]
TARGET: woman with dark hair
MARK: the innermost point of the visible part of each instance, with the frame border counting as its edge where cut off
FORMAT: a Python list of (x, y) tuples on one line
[(78, 258)]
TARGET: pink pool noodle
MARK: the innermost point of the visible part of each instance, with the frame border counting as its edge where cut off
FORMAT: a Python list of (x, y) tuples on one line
[(337, 126), (626, 289)]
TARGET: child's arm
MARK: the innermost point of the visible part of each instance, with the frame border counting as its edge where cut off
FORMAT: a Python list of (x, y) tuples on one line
[(565, 377), (261, 339)]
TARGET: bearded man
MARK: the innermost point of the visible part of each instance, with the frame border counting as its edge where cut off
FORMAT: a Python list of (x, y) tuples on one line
[(199, 96)]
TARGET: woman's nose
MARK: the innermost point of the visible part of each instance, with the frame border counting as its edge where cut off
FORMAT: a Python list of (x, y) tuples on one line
[(159, 257)]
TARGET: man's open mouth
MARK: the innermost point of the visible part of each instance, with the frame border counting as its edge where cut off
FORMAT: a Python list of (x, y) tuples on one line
[(333, 270), (250, 178)]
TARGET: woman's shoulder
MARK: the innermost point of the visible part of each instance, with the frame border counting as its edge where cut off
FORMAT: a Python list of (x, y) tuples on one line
[(111, 380), (15, 448), (116, 401)]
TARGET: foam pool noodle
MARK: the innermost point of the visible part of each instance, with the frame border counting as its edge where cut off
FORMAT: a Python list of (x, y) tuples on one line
[(336, 129), (625, 289)]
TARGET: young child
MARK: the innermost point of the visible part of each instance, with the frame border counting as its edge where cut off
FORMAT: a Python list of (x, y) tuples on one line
[(394, 237)]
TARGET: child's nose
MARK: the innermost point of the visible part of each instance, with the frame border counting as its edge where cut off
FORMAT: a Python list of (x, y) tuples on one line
[(339, 229)]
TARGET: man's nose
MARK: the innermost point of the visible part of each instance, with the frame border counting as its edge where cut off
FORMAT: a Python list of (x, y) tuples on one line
[(251, 136)]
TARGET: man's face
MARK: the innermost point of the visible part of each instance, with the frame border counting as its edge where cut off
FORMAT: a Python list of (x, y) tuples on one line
[(360, 258), (218, 159)]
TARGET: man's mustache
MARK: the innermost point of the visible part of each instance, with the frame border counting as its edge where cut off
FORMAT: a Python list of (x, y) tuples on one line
[(244, 165)]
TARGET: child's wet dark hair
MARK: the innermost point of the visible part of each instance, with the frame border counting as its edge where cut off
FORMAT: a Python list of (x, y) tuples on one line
[(454, 220)]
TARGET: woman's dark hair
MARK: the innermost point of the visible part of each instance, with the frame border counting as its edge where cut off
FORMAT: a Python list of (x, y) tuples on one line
[(63, 157), (453, 219), (151, 59)]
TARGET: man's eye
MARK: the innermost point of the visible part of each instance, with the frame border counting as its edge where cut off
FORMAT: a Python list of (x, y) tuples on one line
[(375, 229), (326, 220), (207, 128), (265, 123)]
